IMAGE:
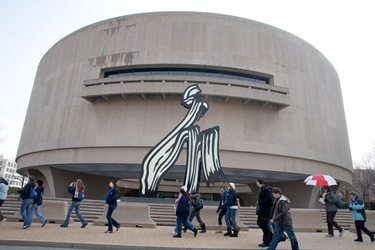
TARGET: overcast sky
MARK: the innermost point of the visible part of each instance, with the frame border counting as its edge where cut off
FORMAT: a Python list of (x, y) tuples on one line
[(342, 30)]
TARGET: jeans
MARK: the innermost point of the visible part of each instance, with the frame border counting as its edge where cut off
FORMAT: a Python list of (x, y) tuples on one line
[(26, 211), (196, 214), (185, 222), (110, 220), (278, 232), (76, 205), (38, 214), (230, 216)]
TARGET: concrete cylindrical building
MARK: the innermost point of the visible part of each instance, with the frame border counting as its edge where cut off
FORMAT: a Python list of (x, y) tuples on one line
[(107, 93)]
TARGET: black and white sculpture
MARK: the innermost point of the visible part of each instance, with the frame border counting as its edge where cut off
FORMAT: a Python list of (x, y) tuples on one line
[(202, 149)]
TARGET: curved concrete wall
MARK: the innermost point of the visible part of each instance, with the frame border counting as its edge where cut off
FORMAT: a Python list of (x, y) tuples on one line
[(295, 128)]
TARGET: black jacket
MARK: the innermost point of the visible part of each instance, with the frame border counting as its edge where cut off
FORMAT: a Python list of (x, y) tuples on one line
[(265, 202)]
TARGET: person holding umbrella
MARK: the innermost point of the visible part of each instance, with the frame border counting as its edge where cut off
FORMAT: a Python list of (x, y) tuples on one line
[(330, 200)]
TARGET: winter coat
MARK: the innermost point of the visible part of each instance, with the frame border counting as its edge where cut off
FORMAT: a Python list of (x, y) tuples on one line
[(183, 207), (25, 191), (111, 197), (39, 197), (281, 212), (357, 207), (3, 189), (230, 198), (72, 190), (331, 201), (221, 203), (265, 202)]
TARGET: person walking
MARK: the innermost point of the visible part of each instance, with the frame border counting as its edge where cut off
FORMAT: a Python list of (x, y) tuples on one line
[(282, 219), (3, 193), (182, 214), (331, 200), (77, 190), (232, 206), (221, 210), (111, 200), (26, 209), (357, 206), (38, 202), (263, 210), (196, 207)]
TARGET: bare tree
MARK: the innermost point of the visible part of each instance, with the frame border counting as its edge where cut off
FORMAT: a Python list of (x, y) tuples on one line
[(364, 176)]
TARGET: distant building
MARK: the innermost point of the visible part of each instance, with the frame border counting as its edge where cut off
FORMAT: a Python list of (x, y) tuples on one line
[(107, 93), (8, 170)]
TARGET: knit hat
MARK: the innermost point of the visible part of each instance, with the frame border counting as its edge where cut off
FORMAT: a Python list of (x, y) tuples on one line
[(184, 188), (232, 185)]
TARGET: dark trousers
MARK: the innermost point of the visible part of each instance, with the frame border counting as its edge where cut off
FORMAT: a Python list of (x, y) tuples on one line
[(111, 222), (1, 215), (263, 223), (359, 227), (331, 223), (221, 215)]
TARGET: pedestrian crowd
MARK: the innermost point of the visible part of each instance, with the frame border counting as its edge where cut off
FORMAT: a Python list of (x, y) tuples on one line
[(272, 209)]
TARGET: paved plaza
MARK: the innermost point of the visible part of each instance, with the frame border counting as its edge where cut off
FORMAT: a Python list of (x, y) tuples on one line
[(93, 237)]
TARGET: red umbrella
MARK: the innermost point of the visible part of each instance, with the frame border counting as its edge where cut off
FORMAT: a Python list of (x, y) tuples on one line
[(320, 180)]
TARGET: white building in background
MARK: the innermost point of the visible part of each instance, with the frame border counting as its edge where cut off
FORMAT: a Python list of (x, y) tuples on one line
[(8, 170)]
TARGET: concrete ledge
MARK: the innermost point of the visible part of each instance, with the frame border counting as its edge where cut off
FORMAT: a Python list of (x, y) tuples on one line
[(307, 220), (209, 216), (54, 211), (129, 215)]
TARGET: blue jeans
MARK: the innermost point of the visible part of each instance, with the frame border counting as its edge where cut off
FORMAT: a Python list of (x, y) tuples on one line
[(36, 208), (278, 232), (26, 211), (185, 222), (76, 205), (111, 222), (230, 216)]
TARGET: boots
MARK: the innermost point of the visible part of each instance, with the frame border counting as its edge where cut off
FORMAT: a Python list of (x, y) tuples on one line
[(229, 232), (219, 229), (235, 233), (203, 227)]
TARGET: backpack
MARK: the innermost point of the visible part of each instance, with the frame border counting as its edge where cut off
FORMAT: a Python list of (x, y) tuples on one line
[(33, 194), (197, 204), (339, 203)]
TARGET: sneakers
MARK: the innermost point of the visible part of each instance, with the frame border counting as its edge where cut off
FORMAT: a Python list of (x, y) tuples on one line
[(44, 223), (84, 225), (108, 232), (330, 235), (118, 227), (25, 226), (177, 236), (63, 225), (341, 233), (358, 240)]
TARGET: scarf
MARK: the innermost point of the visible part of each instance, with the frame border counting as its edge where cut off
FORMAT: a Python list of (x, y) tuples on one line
[(76, 193)]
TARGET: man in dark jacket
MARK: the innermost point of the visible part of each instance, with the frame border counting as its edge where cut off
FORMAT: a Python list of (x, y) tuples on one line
[(282, 220), (182, 214), (263, 210)]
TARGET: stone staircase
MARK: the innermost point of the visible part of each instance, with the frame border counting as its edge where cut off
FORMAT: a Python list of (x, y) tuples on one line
[(248, 216), (343, 218), (163, 214)]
